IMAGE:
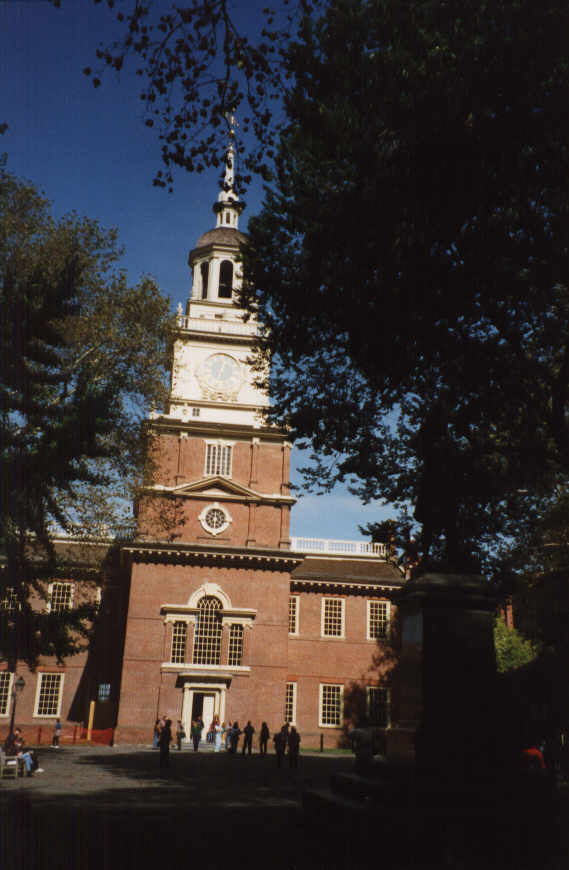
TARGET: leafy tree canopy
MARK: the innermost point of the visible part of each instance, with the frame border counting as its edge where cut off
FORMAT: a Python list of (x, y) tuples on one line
[(411, 258), (512, 649), (411, 265), (83, 358), (200, 63)]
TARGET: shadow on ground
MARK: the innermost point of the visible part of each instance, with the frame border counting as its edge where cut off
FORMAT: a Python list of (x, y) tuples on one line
[(97, 809), (101, 809)]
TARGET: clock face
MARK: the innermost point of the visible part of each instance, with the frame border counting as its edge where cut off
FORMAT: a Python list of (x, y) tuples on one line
[(221, 374)]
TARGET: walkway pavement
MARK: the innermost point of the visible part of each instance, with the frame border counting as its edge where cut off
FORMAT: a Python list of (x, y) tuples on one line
[(96, 808), (100, 808)]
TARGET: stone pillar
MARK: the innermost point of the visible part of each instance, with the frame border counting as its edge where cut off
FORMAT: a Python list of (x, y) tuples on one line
[(285, 478), (251, 539), (284, 543), (255, 445), (182, 438), (447, 673)]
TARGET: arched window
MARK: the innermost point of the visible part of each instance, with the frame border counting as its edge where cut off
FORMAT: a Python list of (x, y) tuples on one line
[(207, 634), (225, 279), (204, 269)]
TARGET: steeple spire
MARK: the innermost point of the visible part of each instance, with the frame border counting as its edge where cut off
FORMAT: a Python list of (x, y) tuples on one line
[(228, 207)]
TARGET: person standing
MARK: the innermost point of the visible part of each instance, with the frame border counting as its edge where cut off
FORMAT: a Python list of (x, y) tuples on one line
[(248, 731), (264, 738), (57, 729), (218, 733), (234, 740), (164, 743), (280, 745), (156, 734), (180, 734), (293, 747), (197, 728)]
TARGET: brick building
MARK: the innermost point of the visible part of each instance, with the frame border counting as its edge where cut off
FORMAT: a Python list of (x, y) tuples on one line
[(216, 609)]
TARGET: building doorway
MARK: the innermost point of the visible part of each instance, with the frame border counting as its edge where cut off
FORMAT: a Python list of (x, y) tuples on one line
[(203, 705)]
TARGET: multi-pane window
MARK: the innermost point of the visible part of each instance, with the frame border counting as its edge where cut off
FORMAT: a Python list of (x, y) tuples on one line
[(293, 614), (9, 599), (218, 459), (104, 693), (60, 597), (331, 702), (5, 686), (378, 620), (207, 634), (290, 703), (179, 634), (332, 617), (235, 644), (378, 706), (48, 700)]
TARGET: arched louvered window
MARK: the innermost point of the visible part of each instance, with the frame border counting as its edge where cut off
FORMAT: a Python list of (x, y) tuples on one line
[(207, 634), (204, 269), (225, 279)]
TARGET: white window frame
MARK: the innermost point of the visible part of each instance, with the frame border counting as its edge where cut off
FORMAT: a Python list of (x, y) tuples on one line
[(321, 723), (176, 643), (387, 635), (369, 691), (296, 599), (4, 714), (10, 601), (219, 461), (50, 596), (342, 617), (220, 529), (238, 639), (294, 687), (59, 697)]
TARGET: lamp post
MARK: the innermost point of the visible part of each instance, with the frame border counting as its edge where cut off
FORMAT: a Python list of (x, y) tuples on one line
[(17, 687)]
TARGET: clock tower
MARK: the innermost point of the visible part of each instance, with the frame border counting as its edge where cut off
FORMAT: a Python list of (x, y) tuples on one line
[(221, 474)]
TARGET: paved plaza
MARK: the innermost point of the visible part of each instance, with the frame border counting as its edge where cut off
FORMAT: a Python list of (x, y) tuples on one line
[(100, 807), (96, 808)]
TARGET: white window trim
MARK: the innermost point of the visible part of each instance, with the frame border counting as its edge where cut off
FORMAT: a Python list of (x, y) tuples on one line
[(59, 699), (10, 686), (172, 639), (217, 506), (387, 691), (211, 442), (294, 695), (343, 617), (297, 616), (369, 636), (50, 593), (320, 702)]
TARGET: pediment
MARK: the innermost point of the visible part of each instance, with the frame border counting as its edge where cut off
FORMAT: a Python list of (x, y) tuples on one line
[(215, 487)]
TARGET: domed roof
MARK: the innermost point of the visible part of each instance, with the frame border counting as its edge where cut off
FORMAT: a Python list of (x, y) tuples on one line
[(222, 236)]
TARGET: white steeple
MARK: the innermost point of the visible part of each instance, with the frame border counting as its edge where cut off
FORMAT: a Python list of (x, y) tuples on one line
[(228, 207)]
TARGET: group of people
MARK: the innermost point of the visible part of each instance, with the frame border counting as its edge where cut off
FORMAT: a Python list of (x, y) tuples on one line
[(15, 747), (227, 735)]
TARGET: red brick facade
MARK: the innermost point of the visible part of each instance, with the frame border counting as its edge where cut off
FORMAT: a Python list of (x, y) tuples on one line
[(197, 617)]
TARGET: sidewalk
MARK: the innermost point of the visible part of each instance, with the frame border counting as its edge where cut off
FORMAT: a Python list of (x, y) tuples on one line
[(96, 808)]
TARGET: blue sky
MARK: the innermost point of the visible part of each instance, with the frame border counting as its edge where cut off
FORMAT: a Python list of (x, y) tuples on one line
[(89, 151)]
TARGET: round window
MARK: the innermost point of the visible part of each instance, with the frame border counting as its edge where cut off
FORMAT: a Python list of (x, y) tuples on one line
[(215, 518)]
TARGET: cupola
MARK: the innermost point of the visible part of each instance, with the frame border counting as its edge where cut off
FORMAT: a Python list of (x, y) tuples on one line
[(215, 259)]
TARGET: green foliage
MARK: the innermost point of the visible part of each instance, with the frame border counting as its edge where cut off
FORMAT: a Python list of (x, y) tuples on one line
[(75, 384), (200, 63), (512, 649), (411, 261)]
